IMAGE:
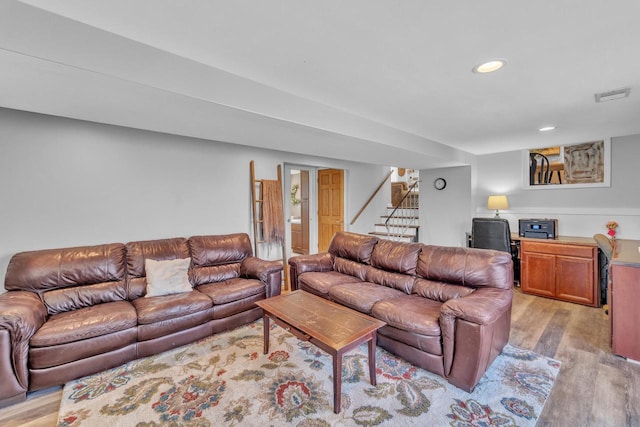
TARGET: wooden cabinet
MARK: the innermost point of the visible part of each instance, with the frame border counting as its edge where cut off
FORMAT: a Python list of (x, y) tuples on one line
[(625, 299), (300, 228), (296, 238), (560, 270), (537, 274)]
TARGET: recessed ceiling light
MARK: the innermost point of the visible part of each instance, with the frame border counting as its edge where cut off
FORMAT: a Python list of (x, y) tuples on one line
[(489, 66), (547, 128)]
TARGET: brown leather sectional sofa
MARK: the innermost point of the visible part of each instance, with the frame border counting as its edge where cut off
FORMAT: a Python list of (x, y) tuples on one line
[(77, 311), (447, 309)]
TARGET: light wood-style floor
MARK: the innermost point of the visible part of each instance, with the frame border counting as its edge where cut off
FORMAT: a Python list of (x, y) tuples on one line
[(594, 387)]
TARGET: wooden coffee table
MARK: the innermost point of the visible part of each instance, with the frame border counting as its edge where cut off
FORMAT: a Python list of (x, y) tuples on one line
[(333, 328)]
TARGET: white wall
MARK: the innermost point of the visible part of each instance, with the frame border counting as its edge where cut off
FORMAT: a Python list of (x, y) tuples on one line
[(580, 211), (70, 183), (445, 215)]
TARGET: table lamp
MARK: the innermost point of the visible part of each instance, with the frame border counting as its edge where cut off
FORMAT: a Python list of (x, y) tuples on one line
[(497, 203)]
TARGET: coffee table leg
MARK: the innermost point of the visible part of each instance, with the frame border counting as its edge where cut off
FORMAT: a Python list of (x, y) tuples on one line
[(337, 381), (265, 324), (372, 358)]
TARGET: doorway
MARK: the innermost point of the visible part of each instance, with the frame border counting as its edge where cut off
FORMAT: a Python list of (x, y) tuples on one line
[(302, 204), (299, 215), (300, 209)]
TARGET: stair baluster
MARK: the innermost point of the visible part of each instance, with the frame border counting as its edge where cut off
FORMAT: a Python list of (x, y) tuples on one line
[(402, 223)]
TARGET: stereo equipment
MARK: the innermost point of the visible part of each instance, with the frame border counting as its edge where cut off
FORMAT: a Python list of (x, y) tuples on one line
[(538, 228)]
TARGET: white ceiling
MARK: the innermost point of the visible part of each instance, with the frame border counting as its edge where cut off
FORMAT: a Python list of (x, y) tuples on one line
[(386, 82)]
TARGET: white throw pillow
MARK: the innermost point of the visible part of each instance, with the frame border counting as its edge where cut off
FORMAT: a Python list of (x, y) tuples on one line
[(167, 277)]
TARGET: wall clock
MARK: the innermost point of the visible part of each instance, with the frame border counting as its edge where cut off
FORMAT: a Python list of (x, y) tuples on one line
[(439, 183)]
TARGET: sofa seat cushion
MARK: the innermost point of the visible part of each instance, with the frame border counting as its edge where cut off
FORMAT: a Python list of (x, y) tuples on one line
[(319, 283), (55, 355), (410, 313), (232, 290), (362, 296), (84, 323), (180, 324), (220, 311), (427, 343), (167, 307)]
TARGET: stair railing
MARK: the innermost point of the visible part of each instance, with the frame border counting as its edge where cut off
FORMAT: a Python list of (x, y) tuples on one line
[(375, 192), (403, 215)]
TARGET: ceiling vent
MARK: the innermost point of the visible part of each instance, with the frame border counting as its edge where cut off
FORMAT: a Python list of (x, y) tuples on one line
[(612, 94)]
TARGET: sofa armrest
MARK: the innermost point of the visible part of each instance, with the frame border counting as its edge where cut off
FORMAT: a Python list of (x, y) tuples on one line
[(21, 315), (483, 306), (314, 262), (256, 268), (268, 272), (474, 328), (306, 263)]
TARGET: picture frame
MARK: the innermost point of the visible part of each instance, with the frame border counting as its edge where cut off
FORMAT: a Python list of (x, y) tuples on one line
[(576, 165)]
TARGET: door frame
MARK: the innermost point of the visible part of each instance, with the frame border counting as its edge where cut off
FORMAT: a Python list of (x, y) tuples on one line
[(313, 206), (313, 203)]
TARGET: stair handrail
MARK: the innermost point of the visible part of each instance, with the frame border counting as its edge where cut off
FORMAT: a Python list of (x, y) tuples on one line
[(400, 203), (376, 191)]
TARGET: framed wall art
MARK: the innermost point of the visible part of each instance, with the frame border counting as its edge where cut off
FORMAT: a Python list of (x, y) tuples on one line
[(579, 165)]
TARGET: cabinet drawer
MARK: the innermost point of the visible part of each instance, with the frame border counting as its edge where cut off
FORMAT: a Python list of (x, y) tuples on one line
[(558, 249)]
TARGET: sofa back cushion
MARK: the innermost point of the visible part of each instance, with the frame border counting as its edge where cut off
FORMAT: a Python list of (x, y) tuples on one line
[(352, 246), (70, 278), (402, 282), (352, 268), (218, 258), (397, 257), (158, 250), (465, 266)]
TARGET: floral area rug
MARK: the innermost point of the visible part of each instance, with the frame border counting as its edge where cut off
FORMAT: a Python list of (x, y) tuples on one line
[(226, 380)]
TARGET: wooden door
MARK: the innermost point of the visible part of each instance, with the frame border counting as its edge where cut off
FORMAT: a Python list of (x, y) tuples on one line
[(296, 238), (330, 205), (538, 274)]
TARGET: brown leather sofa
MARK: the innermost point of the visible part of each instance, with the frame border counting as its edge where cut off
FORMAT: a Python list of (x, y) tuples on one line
[(72, 312), (447, 309)]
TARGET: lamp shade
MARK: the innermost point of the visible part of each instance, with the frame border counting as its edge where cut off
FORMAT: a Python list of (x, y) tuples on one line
[(497, 202)]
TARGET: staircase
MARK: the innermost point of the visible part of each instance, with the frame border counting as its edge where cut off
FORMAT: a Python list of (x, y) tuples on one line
[(400, 223)]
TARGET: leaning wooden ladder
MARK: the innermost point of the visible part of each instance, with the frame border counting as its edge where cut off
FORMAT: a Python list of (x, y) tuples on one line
[(257, 204)]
